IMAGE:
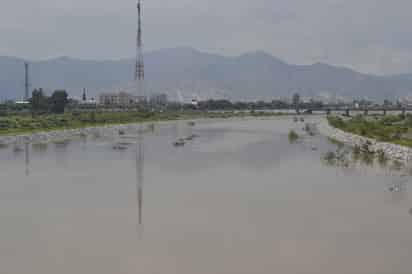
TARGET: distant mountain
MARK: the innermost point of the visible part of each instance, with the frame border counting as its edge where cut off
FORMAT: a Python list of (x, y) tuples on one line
[(185, 72)]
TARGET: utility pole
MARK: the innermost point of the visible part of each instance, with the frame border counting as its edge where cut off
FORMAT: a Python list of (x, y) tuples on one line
[(26, 81)]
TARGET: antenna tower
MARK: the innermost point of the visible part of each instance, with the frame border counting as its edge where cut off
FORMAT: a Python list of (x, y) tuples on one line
[(139, 70)]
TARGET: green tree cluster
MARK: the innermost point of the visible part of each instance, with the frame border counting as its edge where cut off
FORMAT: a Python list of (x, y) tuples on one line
[(56, 103)]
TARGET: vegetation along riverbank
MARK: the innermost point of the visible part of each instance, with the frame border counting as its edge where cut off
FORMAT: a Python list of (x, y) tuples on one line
[(26, 124), (383, 136), (396, 129)]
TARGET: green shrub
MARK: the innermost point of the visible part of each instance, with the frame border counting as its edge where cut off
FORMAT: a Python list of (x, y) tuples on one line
[(336, 122), (293, 136), (330, 157), (336, 142)]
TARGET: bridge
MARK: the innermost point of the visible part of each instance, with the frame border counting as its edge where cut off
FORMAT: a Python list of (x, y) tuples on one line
[(348, 110)]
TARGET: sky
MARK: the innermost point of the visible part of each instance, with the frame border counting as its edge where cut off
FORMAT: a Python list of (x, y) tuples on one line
[(371, 36)]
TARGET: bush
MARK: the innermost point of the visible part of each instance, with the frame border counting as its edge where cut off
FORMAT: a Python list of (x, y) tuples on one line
[(336, 122), (92, 117), (330, 157), (293, 136), (336, 142)]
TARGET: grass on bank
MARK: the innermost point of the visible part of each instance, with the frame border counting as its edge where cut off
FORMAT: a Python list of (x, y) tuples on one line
[(395, 129), (22, 124)]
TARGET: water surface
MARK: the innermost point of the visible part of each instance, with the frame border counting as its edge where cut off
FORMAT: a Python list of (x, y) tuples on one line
[(239, 198)]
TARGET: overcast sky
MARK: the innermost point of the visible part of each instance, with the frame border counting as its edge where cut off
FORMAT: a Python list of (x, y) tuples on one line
[(367, 35)]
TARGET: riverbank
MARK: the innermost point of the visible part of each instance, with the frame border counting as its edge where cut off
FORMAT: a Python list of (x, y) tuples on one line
[(390, 150), (56, 128), (26, 124)]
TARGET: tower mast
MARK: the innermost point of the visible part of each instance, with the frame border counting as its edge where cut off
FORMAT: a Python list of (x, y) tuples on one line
[(139, 70)]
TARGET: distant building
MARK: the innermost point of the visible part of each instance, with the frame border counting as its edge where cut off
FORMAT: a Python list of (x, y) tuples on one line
[(90, 101), (140, 99), (159, 99), (119, 99), (195, 103), (22, 102), (406, 101)]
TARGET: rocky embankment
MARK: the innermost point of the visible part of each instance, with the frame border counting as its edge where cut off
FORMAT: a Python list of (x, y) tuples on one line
[(392, 151), (62, 135)]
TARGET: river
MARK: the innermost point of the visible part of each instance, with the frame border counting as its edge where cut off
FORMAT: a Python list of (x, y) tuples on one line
[(237, 198)]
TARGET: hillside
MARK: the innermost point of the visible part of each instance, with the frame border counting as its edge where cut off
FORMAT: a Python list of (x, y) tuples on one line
[(192, 73)]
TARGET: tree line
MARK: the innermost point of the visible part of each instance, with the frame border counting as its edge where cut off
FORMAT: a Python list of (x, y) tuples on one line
[(259, 105), (41, 103)]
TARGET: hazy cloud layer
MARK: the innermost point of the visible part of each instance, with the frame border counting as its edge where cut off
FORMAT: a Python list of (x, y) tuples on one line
[(368, 35)]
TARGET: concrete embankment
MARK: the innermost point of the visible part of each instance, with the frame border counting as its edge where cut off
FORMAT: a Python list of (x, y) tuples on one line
[(392, 151)]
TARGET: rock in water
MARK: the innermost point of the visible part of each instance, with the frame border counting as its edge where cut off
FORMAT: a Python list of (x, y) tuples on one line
[(179, 143)]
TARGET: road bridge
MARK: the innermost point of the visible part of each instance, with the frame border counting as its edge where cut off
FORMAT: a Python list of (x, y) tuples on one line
[(347, 111)]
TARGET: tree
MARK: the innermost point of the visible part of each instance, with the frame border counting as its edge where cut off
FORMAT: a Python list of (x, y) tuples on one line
[(38, 101), (58, 101), (387, 103), (278, 104), (3, 110)]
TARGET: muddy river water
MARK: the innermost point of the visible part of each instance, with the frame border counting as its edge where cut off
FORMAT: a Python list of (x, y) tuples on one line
[(237, 197)]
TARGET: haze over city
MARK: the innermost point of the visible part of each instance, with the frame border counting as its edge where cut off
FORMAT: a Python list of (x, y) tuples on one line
[(205, 136), (371, 36)]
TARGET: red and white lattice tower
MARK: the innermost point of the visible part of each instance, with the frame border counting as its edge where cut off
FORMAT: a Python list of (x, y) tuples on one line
[(139, 71)]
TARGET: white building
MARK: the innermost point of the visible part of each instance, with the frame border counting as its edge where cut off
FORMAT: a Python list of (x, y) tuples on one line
[(195, 103), (406, 101), (22, 102), (119, 99)]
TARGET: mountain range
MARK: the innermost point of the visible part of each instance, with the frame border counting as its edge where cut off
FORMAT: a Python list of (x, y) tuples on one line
[(184, 73)]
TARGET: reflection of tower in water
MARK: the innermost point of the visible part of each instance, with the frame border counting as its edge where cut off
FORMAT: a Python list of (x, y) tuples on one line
[(27, 158), (139, 174)]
